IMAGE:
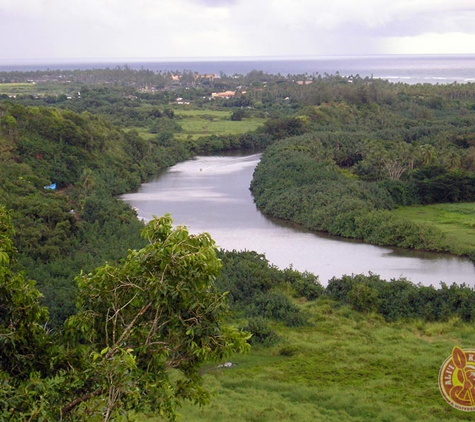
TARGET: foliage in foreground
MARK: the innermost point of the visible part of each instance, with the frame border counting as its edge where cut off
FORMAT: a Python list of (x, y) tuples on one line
[(142, 330), (144, 327)]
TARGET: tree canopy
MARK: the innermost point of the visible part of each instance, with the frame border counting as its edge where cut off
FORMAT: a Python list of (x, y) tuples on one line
[(142, 330)]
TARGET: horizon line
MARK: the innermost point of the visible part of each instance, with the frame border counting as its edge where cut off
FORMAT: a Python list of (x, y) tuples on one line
[(10, 61)]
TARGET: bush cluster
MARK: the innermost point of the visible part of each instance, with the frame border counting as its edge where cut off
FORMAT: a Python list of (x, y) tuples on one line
[(402, 299)]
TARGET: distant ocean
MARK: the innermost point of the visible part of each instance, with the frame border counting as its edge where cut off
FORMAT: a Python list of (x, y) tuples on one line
[(395, 68)]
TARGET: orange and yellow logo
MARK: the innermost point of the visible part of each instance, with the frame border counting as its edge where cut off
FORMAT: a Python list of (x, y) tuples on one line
[(457, 379)]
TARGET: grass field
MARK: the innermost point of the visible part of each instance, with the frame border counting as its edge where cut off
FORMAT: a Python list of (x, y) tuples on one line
[(196, 123), (16, 88), (343, 367), (44, 88), (457, 221), (5, 86)]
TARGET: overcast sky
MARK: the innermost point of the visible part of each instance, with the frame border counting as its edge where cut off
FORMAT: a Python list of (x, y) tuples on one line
[(101, 29)]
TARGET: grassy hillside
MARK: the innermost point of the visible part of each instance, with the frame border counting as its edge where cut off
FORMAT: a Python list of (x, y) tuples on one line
[(343, 366)]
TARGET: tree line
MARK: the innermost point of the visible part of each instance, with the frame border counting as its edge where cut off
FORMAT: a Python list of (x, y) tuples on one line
[(353, 164)]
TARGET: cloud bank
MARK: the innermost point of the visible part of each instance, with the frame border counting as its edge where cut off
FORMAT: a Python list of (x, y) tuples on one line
[(61, 29)]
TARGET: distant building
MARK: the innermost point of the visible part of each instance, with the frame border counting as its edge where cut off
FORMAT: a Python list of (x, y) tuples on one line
[(209, 76), (180, 100), (225, 94)]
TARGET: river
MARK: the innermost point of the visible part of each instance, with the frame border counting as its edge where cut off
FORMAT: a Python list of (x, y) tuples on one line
[(211, 194)]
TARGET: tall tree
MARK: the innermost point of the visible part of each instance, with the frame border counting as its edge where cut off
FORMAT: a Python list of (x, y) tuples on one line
[(142, 331)]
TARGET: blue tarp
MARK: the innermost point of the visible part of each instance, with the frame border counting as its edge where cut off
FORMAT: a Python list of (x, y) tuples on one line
[(52, 186)]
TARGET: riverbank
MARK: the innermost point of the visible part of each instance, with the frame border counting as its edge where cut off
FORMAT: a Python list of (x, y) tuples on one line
[(217, 200), (456, 221)]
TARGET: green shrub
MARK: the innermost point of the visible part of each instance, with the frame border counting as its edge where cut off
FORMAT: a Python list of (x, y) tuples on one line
[(276, 305), (401, 299), (261, 332), (363, 298), (305, 284)]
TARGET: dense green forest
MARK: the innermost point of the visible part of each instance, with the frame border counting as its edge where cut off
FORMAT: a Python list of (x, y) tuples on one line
[(341, 154), (59, 232), (358, 162)]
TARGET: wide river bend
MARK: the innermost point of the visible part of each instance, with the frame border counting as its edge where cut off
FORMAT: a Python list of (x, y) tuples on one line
[(211, 194)]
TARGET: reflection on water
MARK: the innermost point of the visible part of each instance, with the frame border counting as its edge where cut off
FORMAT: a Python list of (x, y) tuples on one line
[(212, 194)]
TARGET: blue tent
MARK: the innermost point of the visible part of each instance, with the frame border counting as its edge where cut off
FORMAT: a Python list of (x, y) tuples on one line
[(52, 186)]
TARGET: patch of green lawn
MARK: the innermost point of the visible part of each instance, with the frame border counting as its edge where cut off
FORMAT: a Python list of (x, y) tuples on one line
[(197, 123), (16, 88), (39, 89), (344, 366), (457, 221)]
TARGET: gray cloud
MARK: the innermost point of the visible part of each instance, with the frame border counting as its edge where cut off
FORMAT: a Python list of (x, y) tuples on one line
[(215, 3), (210, 28)]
